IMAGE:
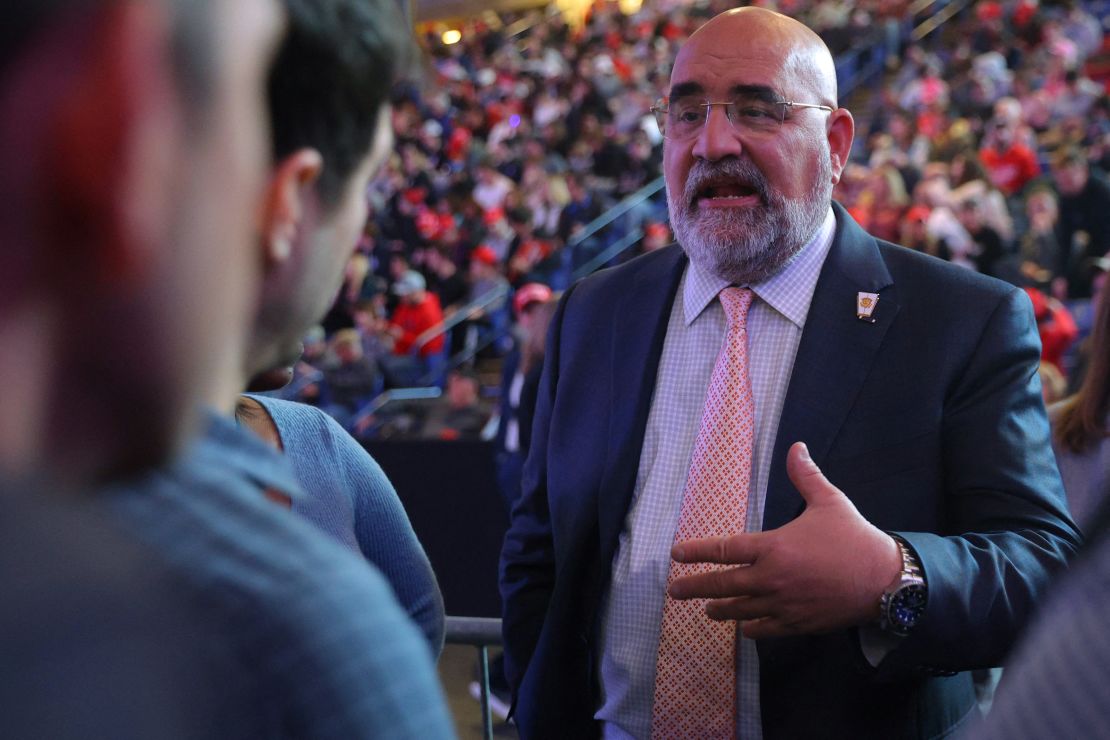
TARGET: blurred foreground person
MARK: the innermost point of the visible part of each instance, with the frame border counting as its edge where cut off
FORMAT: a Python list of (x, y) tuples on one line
[(131, 143), (746, 511), (1055, 683), (329, 93), (331, 652)]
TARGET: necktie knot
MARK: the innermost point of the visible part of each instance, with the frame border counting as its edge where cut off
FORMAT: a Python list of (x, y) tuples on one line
[(736, 302)]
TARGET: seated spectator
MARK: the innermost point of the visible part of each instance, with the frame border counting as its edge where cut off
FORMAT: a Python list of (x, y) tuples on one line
[(526, 254), (487, 322), (1084, 226), (1039, 248), (416, 314), (445, 279), (970, 180), (373, 328), (351, 379), (460, 414), (914, 233), (944, 232), (989, 249), (1010, 164)]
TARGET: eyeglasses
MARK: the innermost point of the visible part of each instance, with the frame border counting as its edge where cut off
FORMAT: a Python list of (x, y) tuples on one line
[(683, 117)]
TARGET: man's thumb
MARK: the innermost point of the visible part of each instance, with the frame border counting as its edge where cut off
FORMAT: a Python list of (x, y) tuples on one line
[(807, 477)]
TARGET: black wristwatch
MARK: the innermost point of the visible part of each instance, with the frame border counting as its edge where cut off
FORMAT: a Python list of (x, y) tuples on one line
[(902, 606)]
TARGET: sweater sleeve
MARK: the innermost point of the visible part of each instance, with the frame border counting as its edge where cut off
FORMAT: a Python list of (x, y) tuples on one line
[(387, 539), (354, 502)]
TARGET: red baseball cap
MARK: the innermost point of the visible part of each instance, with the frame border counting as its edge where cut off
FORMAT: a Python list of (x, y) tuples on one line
[(484, 253), (530, 293)]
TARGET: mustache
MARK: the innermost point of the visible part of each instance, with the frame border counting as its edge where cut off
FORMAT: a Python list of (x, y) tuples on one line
[(735, 169)]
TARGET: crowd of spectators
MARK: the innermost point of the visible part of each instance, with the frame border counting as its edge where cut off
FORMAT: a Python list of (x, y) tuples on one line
[(985, 144)]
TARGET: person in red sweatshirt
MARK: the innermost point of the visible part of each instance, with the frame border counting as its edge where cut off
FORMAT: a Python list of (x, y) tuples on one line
[(418, 311)]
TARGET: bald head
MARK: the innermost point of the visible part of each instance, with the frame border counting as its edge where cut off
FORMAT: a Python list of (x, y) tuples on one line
[(804, 60)]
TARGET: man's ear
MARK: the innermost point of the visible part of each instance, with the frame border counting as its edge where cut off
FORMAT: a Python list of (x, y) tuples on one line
[(285, 206), (116, 139), (841, 132)]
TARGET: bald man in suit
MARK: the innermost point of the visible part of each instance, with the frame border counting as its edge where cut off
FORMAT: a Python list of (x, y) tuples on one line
[(902, 545)]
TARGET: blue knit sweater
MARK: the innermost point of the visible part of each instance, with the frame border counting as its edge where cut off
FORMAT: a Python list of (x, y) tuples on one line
[(350, 498)]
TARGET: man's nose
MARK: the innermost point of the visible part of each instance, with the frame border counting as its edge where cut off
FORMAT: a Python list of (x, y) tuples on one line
[(717, 138)]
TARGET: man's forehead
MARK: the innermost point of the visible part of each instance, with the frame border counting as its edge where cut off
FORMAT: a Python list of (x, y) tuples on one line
[(749, 71), (753, 49)]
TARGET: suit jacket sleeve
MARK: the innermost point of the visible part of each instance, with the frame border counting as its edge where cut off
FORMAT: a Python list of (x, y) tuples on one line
[(1008, 530)]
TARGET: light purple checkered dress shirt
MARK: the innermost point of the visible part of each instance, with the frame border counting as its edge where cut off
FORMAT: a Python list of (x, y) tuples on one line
[(633, 606)]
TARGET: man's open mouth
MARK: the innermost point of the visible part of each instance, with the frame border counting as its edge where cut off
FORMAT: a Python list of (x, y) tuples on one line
[(726, 191)]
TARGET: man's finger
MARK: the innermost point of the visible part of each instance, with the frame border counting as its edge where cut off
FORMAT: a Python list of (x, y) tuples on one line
[(739, 549), (717, 584), (742, 608), (807, 477)]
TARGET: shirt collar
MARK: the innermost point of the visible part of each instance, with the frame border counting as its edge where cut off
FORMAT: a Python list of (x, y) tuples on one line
[(789, 291)]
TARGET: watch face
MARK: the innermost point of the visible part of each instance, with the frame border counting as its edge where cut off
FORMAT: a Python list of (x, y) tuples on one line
[(907, 605)]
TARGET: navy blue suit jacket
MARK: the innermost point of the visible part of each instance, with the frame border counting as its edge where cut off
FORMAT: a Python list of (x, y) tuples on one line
[(931, 421)]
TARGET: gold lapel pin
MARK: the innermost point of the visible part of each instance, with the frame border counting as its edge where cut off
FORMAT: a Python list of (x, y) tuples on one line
[(865, 306)]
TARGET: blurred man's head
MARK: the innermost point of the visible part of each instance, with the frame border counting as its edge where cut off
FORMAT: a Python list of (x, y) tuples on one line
[(329, 106), (970, 215), (348, 346), (132, 140), (484, 264), (1070, 172), (411, 288), (462, 389)]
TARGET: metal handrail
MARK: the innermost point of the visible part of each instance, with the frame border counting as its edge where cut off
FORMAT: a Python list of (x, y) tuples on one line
[(935, 21), (617, 247), (394, 394), (627, 204), (481, 632)]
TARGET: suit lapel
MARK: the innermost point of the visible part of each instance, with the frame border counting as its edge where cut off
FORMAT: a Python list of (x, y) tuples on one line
[(639, 329), (821, 392)]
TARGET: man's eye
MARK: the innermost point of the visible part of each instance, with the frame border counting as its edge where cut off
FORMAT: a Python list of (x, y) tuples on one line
[(688, 115), (756, 111)]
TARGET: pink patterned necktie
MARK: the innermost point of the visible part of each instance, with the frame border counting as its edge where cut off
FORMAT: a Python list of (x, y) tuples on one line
[(695, 678)]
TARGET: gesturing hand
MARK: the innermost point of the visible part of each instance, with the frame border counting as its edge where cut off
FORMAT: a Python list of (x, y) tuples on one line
[(824, 571)]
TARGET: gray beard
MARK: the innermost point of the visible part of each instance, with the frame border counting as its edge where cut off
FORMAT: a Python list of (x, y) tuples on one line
[(747, 246)]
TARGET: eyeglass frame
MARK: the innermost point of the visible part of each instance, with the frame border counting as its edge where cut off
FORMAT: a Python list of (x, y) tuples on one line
[(662, 107)]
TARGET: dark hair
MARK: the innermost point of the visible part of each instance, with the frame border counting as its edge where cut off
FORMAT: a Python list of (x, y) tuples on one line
[(25, 20), (332, 76), (1082, 421), (1070, 156)]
